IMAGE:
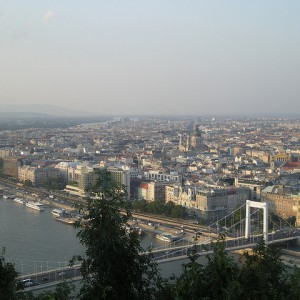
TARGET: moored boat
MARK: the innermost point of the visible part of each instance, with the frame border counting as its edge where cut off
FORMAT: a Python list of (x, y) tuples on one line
[(58, 212), (35, 205), (69, 221), (164, 237), (169, 237), (19, 201)]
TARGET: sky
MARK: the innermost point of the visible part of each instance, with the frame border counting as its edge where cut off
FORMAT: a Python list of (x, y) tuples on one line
[(187, 57)]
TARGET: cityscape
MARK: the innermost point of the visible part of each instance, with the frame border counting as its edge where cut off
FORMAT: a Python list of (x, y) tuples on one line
[(149, 150), (210, 166)]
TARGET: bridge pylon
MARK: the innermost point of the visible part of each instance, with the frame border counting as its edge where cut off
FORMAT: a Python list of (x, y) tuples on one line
[(255, 204)]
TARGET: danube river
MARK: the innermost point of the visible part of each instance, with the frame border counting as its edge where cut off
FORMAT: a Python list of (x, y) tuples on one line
[(35, 242)]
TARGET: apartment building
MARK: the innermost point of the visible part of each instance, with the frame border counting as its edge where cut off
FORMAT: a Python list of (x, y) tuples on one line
[(283, 201), (208, 203), (37, 175), (161, 176), (11, 165)]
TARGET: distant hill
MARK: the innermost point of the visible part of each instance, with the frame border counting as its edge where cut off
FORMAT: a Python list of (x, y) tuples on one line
[(39, 110)]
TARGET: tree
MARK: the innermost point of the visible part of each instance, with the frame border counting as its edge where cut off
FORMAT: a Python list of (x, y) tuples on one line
[(221, 274), (217, 279), (168, 208), (140, 205), (179, 212), (62, 292), (8, 278), (264, 275), (54, 183), (113, 266), (156, 207), (28, 183)]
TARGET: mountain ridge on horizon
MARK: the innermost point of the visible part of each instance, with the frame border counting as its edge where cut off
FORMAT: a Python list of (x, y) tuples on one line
[(44, 109)]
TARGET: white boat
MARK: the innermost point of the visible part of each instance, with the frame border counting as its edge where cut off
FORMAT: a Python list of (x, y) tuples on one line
[(69, 221), (169, 237), (35, 205), (164, 237), (58, 212), (19, 201)]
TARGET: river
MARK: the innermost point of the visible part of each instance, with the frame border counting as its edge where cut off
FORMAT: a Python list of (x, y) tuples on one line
[(34, 241)]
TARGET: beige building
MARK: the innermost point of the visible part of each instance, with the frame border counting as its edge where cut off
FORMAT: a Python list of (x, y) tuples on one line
[(254, 186), (122, 176), (11, 165), (143, 191), (37, 175), (283, 201), (5, 152), (153, 191), (87, 178), (209, 204)]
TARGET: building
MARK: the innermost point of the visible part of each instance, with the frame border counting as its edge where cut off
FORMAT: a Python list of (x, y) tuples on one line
[(193, 141), (122, 176), (37, 175), (5, 152), (87, 178), (161, 176), (214, 204), (11, 165), (208, 203), (143, 191), (254, 186), (283, 201)]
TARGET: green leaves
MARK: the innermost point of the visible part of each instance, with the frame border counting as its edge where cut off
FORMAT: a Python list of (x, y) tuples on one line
[(8, 278), (159, 208), (261, 274), (113, 267)]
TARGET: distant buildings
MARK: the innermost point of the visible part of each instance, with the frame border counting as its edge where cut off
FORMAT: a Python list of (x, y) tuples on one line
[(209, 168)]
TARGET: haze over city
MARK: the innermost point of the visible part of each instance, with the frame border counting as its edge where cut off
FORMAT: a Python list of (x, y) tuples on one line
[(151, 57)]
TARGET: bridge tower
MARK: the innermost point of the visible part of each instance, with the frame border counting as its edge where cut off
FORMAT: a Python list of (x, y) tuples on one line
[(255, 204)]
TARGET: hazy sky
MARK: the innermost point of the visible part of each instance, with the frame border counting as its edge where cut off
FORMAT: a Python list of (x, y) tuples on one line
[(152, 56)]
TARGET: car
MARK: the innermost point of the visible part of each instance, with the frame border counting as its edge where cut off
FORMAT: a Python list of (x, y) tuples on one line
[(61, 273), (45, 279), (27, 282)]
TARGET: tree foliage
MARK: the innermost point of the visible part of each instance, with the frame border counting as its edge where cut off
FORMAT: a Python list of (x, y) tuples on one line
[(63, 291), (264, 275), (54, 183), (217, 279), (8, 278), (112, 267), (28, 183), (169, 209), (260, 275)]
